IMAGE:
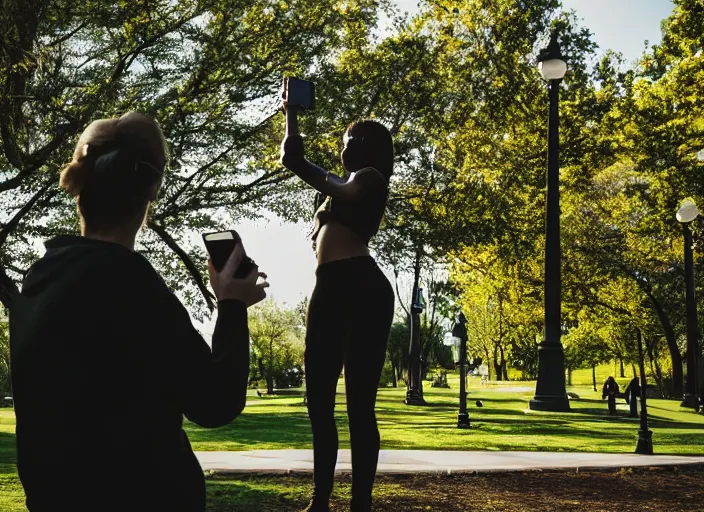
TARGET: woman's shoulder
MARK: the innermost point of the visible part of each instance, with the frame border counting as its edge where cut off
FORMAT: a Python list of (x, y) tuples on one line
[(370, 173), (371, 178)]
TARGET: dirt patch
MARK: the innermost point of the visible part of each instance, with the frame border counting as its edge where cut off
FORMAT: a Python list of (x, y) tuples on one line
[(647, 489), (656, 489)]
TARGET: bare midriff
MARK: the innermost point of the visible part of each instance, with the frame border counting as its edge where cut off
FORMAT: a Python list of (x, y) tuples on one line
[(336, 241)]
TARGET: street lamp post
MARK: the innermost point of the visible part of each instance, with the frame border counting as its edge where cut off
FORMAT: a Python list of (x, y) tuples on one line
[(414, 394), (645, 435), (550, 392), (685, 215), (459, 332)]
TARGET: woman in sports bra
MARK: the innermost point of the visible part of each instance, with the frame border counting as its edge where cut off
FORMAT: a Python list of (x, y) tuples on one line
[(352, 305)]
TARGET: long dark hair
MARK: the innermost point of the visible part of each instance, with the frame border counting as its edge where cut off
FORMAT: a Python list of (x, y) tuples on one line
[(376, 146)]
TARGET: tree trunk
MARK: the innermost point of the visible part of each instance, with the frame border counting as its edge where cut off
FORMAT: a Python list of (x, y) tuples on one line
[(569, 376), (657, 371), (263, 372), (488, 363), (394, 381), (497, 363), (622, 371), (675, 356), (633, 367), (270, 371), (504, 370), (594, 376)]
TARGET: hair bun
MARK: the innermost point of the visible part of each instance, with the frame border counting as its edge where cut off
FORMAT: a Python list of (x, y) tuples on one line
[(73, 177)]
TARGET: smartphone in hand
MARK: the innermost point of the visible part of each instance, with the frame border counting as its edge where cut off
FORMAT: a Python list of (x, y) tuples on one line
[(220, 246), (299, 93)]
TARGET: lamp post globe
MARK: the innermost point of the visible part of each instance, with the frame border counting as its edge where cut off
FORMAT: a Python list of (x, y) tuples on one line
[(550, 63), (550, 390), (552, 69), (686, 214)]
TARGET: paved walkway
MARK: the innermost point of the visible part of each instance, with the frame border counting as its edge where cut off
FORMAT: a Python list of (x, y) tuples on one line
[(443, 462)]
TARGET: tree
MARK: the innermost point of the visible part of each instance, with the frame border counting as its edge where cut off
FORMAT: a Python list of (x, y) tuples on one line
[(5, 383), (209, 72), (397, 350), (277, 345), (586, 345)]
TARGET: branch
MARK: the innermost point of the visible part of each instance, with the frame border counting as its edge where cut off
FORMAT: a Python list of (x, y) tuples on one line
[(14, 221), (68, 35), (16, 269), (190, 266), (398, 293), (198, 201), (616, 309)]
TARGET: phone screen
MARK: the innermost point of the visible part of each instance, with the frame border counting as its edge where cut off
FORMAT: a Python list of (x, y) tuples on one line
[(220, 246)]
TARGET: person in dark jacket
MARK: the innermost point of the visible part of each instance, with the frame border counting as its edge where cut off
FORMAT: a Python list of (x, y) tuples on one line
[(105, 359), (610, 391), (632, 393)]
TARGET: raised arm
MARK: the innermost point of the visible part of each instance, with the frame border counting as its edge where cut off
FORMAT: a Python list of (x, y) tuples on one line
[(293, 158)]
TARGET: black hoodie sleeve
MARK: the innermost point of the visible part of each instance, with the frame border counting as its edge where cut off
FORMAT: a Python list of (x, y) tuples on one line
[(210, 385)]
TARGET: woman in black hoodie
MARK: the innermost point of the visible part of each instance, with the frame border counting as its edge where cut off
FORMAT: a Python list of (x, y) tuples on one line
[(105, 359)]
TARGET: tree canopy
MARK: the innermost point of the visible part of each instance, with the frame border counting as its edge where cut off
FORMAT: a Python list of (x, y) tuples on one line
[(458, 87)]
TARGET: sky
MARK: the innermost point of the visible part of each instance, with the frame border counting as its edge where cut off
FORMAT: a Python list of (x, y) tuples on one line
[(283, 250)]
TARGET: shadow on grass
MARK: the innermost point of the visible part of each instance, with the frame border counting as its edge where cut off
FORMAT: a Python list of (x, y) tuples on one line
[(8, 454), (489, 399), (250, 494), (255, 428)]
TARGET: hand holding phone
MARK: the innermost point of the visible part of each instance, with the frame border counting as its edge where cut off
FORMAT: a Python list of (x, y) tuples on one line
[(233, 275), (220, 246)]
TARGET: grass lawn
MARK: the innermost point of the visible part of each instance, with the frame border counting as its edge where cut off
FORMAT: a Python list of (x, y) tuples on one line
[(503, 423)]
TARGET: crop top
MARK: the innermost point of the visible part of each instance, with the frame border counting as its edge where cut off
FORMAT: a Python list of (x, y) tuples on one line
[(363, 216)]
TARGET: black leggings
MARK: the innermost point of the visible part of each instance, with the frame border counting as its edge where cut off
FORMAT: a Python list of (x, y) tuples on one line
[(349, 318)]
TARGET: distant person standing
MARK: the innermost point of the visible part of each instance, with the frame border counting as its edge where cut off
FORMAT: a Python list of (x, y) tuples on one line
[(609, 392), (632, 394)]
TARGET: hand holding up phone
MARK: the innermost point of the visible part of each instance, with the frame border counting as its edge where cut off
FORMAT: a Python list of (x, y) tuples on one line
[(227, 286)]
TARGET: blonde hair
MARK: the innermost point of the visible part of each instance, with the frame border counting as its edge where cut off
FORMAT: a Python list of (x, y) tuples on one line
[(133, 129), (115, 168)]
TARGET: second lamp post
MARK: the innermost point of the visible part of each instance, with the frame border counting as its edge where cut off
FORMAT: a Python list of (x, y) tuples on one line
[(686, 215), (550, 392)]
